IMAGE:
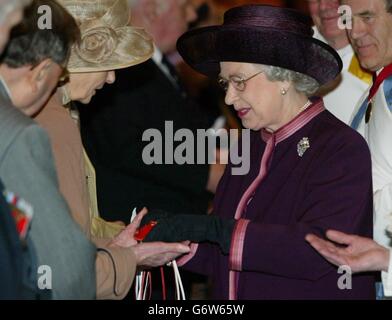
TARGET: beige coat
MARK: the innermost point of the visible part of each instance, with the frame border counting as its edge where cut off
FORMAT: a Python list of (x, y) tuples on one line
[(115, 267)]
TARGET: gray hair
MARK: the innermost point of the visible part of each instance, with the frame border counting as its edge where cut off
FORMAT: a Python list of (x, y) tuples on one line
[(302, 83), (29, 45)]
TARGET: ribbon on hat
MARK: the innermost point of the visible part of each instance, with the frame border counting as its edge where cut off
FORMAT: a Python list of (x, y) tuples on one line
[(97, 42), (107, 38), (99, 38)]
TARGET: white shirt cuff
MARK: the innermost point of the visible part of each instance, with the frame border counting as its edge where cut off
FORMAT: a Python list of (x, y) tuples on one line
[(387, 278)]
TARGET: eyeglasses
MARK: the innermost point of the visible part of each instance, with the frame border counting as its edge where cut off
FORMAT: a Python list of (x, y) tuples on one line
[(237, 82)]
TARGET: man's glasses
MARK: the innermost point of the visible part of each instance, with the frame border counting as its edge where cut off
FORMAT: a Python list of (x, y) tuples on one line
[(238, 83)]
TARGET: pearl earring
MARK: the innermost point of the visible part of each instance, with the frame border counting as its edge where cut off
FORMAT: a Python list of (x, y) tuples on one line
[(283, 91)]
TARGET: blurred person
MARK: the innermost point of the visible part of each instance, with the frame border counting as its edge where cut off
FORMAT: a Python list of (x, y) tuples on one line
[(11, 12), (342, 96), (371, 22), (145, 97)]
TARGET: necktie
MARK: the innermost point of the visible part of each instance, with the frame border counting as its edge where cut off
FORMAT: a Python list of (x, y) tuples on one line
[(367, 106), (377, 81), (174, 76)]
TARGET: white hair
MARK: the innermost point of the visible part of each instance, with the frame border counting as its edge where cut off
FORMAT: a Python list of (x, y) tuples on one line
[(301, 82)]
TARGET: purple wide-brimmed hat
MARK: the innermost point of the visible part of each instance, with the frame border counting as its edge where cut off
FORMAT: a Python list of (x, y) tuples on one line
[(261, 34)]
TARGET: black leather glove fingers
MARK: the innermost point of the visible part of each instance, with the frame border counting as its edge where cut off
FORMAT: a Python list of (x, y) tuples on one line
[(196, 228)]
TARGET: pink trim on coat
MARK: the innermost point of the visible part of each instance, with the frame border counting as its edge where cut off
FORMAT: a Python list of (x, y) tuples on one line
[(185, 259), (236, 251), (272, 139)]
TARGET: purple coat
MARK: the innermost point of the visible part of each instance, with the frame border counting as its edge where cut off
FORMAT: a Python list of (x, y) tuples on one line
[(330, 186)]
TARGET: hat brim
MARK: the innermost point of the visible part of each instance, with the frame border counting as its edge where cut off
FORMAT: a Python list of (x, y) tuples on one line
[(134, 47), (203, 49)]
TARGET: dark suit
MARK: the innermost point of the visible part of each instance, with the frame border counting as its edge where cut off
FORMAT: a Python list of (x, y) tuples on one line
[(112, 128)]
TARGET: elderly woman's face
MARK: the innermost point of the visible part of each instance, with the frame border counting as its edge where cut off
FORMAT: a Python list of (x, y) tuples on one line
[(83, 86), (259, 103)]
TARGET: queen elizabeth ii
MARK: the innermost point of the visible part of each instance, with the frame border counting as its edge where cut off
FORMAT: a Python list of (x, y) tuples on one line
[(309, 172)]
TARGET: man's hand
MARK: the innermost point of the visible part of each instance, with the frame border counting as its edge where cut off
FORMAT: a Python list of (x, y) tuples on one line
[(360, 254)]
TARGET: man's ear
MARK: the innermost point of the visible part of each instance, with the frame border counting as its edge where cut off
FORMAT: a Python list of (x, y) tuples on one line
[(40, 73)]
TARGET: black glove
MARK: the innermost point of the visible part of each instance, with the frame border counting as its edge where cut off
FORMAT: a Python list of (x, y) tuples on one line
[(196, 228)]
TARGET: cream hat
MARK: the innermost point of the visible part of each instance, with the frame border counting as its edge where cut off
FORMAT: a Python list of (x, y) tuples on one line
[(107, 41)]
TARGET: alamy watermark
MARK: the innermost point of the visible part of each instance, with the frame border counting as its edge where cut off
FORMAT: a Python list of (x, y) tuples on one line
[(199, 149), (345, 281), (345, 20), (44, 281), (45, 19)]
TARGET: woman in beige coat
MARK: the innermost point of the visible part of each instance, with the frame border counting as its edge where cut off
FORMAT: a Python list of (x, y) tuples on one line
[(107, 43)]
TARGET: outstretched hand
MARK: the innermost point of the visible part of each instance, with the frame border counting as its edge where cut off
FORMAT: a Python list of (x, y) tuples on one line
[(359, 253), (152, 254), (155, 254)]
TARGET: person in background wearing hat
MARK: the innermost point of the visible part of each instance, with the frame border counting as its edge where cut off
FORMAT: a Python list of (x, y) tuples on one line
[(370, 37), (342, 95), (106, 44), (145, 97), (30, 68), (142, 98), (309, 171)]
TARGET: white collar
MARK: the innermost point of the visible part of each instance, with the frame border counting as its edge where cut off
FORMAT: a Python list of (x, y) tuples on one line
[(157, 56), (6, 88), (342, 52)]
